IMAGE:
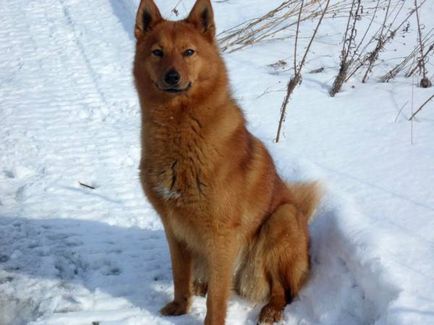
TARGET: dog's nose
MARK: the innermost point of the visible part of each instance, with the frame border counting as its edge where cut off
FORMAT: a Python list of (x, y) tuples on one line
[(172, 77)]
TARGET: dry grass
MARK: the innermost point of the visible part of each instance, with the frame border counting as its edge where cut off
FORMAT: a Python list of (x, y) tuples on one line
[(384, 35), (360, 49), (270, 25), (408, 61), (347, 46)]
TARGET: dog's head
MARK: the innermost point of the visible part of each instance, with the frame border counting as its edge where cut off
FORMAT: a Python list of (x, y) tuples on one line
[(174, 57)]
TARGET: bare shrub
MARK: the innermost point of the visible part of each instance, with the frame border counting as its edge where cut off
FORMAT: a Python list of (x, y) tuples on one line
[(347, 46), (270, 25)]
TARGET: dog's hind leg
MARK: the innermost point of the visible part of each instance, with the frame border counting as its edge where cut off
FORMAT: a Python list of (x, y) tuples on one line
[(284, 242), (273, 310)]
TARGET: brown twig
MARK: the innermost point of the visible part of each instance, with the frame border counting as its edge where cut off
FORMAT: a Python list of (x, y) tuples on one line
[(356, 51), (425, 82), (380, 44), (296, 35), (294, 81), (346, 48), (175, 9), (87, 186), (318, 70), (420, 108)]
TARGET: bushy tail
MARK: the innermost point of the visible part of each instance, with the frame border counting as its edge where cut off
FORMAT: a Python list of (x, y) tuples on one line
[(306, 197)]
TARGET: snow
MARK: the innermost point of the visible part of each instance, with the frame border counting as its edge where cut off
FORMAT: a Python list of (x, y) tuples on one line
[(69, 114)]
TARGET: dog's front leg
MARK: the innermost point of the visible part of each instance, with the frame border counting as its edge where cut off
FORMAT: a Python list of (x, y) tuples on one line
[(182, 277), (221, 261)]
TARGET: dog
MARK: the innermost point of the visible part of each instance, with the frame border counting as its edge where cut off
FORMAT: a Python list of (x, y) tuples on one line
[(231, 222)]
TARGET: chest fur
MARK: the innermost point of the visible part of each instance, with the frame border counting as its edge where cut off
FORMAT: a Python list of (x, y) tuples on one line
[(177, 160)]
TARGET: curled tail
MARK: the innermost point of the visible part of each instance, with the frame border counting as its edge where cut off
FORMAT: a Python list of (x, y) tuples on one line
[(306, 197)]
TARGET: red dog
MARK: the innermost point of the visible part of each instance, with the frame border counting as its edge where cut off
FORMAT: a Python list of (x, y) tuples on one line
[(230, 221)]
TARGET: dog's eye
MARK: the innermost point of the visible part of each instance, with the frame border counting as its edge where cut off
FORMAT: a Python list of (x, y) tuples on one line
[(158, 53), (189, 52)]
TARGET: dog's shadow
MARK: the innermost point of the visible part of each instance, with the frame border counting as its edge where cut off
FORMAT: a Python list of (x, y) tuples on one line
[(129, 265), (130, 268)]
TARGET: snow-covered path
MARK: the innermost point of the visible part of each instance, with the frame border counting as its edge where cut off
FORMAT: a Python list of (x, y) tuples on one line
[(69, 115)]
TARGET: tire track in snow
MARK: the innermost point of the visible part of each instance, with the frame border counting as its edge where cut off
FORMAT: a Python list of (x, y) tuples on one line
[(91, 71), (73, 100), (62, 126)]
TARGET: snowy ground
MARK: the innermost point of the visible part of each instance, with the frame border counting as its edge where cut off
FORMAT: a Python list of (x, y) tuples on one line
[(69, 114)]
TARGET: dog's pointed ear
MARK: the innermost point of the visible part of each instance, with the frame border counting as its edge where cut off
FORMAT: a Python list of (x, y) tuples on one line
[(202, 17), (147, 17)]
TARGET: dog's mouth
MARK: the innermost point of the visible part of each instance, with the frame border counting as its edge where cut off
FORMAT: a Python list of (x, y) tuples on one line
[(175, 90)]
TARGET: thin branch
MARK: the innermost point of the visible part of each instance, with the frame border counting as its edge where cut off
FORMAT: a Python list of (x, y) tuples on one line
[(410, 73), (390, 36), (293, 82), (410, 57), (425, 82), (419, 32), (345, 52), (400, 66), (87, 186), (380, 44), (313, 36), (366, 31), (296, 36), (420, 108), (353, 3), (175, 9)]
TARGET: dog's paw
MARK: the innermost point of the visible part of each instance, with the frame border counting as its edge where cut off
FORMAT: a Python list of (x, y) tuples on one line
[(269, 315), (200, 288), (174, 308)]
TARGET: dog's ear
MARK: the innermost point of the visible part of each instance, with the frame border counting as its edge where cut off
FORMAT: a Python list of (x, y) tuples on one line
[(202, 17), (147, 17)]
